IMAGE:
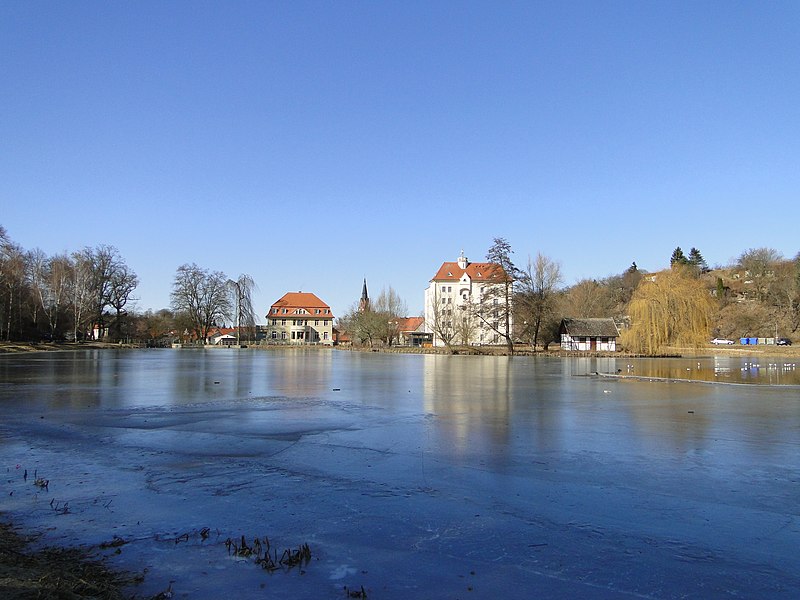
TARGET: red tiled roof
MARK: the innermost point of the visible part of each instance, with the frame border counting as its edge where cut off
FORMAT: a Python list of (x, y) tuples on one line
[(409, 323), (294, 300), (450, 271)]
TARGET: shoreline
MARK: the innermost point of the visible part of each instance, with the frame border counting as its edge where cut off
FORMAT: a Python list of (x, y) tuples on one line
[(668, 352), (54, 572)]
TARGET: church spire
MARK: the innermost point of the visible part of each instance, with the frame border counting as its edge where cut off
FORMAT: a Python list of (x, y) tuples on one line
[(363, 304)]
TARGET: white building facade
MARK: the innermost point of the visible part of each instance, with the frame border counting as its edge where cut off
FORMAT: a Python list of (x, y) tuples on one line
[(466, 304)]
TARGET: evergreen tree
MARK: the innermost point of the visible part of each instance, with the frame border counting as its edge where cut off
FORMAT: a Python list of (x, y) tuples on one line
[(678, 257), (696, 260)]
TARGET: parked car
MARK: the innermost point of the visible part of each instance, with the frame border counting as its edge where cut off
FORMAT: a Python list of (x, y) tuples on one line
[(722, 342), (783, 342)]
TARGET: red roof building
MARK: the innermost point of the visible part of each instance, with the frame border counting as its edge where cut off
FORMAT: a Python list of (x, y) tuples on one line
[(464, 304), (300, 318)]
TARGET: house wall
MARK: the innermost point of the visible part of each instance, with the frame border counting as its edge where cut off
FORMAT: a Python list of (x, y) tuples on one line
[(587, 344), (300, 329), (454, 295), (308, 328)]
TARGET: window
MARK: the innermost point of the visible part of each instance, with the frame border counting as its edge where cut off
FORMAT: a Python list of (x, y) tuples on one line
[(283, 321), (274, 335), (316, 322), (283, 335), (316, 312), (285, 311), (274, 321), (325, 335)]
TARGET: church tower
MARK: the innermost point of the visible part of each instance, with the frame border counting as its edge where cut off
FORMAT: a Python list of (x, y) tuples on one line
[(363, 304)]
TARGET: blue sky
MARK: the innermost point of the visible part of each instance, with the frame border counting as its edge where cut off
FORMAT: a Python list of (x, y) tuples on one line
[(312, 144)]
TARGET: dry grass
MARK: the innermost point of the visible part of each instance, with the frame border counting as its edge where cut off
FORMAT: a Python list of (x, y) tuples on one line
[(54, 573)]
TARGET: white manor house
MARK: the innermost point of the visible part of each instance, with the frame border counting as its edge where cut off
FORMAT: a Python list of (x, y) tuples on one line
[(463, 306)]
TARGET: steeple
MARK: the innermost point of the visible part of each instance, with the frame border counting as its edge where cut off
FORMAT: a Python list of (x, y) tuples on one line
[(363, 304)]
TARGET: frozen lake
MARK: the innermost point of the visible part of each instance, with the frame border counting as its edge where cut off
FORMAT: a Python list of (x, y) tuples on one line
[(414, 476)]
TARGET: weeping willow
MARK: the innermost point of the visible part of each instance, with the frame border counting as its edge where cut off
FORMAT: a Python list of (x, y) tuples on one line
[(675, 309)]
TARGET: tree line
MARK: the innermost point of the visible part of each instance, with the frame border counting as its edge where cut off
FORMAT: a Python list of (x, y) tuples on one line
[(69, 295), (89, 293), (683, 305)]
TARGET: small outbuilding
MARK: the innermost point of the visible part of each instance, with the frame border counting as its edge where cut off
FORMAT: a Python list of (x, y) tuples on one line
[(589, 335)]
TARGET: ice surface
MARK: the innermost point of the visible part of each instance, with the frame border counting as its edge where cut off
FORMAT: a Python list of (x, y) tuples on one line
[(413, 476)]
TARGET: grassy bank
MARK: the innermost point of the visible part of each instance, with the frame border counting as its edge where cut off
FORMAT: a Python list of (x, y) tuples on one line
[(54, 573)]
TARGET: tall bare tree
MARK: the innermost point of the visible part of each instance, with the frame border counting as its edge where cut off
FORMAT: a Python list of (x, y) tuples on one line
[(494, 309), (440, 320), (50, 278), (364, 325), (12, 287), (391, 307), (586, 299), (203, 295), (123, 282), (244, 314), (536, 296)]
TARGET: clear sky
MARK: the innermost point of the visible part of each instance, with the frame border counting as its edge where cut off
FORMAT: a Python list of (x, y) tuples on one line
[(312, 144)]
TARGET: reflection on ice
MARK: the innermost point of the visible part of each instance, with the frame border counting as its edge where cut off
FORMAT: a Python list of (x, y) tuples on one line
[(413, 476)]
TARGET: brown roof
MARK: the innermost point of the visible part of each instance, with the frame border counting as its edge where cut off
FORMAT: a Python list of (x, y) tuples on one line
[(590, 327), (409, 323), (450, 271), (294, 300)]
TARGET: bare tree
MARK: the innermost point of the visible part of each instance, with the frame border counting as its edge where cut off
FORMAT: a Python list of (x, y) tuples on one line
[(204, 296), (245, 315), (80, 286), (391, 307), (465, 325), (364, 325), (588, 298), (536, 295), (12, 286), (440, 320), (495, 306), (50, 279), (759, 265), (102, 279), (122, 283)]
